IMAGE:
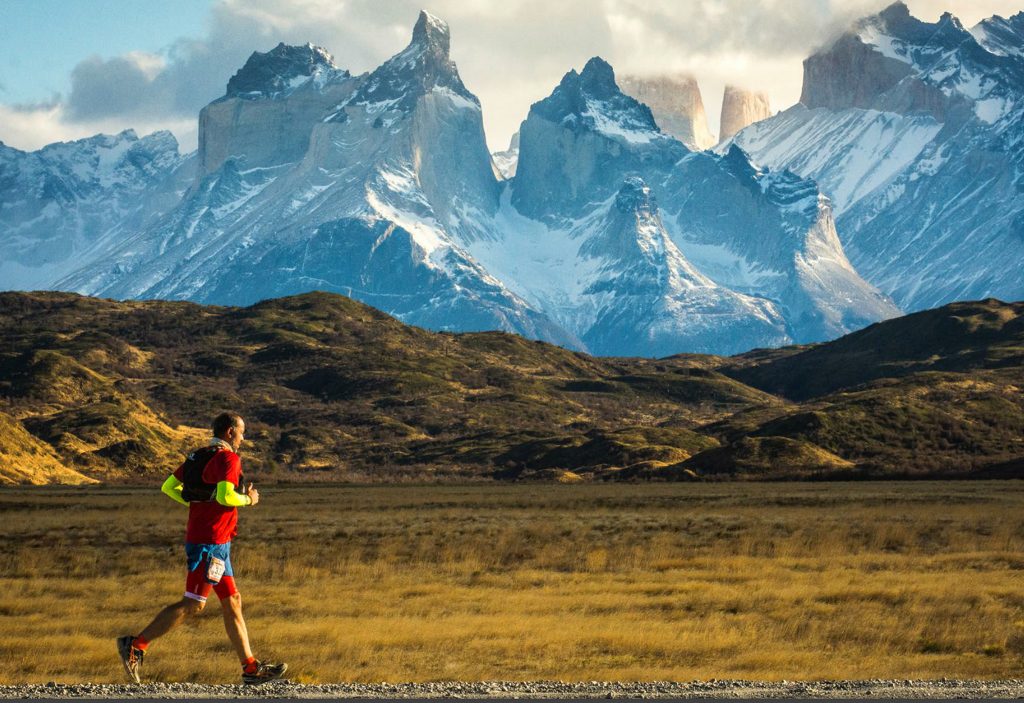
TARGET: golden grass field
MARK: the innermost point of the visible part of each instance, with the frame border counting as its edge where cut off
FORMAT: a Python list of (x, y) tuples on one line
[(581, 582)]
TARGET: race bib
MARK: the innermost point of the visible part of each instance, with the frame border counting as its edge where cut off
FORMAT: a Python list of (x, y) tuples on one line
[(214, 570)]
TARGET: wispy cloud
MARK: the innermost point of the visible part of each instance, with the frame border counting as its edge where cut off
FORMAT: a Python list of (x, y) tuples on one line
[(510, 53), (33, 126)]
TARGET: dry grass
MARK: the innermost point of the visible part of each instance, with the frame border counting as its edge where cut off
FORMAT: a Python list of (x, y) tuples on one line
[(581, 582), (27, 460)]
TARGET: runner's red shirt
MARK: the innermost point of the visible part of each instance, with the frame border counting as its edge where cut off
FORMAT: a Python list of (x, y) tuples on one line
[(213, 523)]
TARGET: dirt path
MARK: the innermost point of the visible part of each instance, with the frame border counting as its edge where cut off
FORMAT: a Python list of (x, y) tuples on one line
[(942, 689)]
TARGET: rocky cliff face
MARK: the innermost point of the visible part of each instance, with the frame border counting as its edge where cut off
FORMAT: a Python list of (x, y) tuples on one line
[(914, 132), (867, 67), (741, 108), (676, 104), (850, 74), (578, 144), (271, 105)]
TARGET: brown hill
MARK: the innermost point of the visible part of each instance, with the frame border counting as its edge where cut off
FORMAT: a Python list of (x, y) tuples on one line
[(333, 389), (960, 337), (25, 459)]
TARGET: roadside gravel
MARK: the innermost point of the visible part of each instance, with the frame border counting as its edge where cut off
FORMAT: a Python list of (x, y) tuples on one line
[(943, 688)]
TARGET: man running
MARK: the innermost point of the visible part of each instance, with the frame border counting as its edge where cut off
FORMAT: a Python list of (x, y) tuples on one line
[(208, 482)]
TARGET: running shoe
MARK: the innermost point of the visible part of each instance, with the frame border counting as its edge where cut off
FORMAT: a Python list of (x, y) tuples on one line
[(131, 657), (264, 673)]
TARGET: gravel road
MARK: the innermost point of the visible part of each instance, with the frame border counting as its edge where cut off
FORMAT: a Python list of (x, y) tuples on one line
[(943, 688)]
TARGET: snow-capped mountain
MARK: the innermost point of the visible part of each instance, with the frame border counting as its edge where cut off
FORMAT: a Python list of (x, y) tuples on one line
[(611, 236), (645, 289), (913, 129), (1000, 35), (270, 108), (578, 144), (505, 162), (67, 202), (370, 191), (750, 230)]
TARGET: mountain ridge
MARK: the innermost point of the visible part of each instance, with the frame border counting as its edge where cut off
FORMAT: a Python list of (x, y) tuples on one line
[(380, 186), (913, 129)]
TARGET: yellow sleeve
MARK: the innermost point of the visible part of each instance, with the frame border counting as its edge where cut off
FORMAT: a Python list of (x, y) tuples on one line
[(172, 489), (228, 497)]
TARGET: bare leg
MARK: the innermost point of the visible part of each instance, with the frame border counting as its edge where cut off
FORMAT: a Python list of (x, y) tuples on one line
[(234, 623), (170, 617)]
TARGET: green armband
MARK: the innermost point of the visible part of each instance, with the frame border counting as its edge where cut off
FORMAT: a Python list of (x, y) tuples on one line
[(172, 489), (229, 497)]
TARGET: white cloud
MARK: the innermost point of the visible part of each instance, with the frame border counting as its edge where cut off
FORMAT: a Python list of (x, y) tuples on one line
[(970, 12), (510, 53), (33, 127)]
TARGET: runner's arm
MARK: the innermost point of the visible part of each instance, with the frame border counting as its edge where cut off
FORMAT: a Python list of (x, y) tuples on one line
[(228, 497), (172, 489)]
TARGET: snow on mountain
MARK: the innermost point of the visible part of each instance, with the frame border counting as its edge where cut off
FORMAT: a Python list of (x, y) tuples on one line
[(1001, 36), (647, 295), (283, 70), (944, 64), (755, 232), (914, 131), (770, 233), (611, 236), (615, 279), (372, 193), (67, 202), (424, 66), (577, 145), (506, 161), (850, 153)]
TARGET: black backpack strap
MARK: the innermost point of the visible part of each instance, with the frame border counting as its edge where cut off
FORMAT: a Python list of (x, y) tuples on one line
[(195, 490)]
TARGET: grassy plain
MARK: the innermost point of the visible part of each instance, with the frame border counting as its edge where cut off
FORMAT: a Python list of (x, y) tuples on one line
[(578, 582)]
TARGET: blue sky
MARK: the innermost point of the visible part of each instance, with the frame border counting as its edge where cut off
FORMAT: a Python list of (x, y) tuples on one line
[(42, 40), (72, 68)]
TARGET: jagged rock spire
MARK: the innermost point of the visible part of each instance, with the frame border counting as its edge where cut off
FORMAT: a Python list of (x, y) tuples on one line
[(273, 71), (431, 31), (594, 88), (741, 108), (419, 68), (598, 79), (895, 12), (676, 102)]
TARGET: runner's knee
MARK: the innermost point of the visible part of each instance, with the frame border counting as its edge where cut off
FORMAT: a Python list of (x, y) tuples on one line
[(233, 601), (193, 606)]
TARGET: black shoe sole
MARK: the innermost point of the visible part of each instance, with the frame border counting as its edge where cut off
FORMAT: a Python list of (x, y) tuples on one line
[(257, 682), (124, 651)]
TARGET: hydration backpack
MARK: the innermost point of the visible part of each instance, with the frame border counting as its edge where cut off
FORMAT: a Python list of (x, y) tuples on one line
[(195, 490)]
